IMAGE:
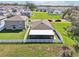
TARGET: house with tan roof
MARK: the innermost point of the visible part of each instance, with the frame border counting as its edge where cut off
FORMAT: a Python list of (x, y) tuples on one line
[(41, 30), (16, 22)]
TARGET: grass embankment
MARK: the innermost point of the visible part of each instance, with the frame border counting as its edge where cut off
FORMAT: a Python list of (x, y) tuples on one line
[(60, 27)]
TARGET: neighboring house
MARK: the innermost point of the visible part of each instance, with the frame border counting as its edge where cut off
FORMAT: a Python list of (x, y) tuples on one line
[(16, 23), (49, 10), (2, 11), (26, 13), (41, 10), (2, 23), (55, 12), (12, 11), (41, 30)]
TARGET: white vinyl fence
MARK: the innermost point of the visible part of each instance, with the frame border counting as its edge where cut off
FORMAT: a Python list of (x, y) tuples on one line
[(11, 41), (34, 40)]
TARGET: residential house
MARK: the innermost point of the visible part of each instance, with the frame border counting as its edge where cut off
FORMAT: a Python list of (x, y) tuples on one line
[(2, 22), (16, 22), (41, 30), (55, 11), (26, 13), (2, 11)]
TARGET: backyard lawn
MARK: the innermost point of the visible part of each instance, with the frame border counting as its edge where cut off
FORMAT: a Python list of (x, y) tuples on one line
[(12, 35), (30, 50), (60, 27), (45, 15)]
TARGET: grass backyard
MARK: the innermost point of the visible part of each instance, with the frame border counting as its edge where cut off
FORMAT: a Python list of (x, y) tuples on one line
[(60, 27), (30, 50), (44, 15), (12, 35)]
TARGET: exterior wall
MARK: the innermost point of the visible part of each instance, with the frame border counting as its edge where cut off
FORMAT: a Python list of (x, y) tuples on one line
[(17, 24), (41, 37), (2, 23)]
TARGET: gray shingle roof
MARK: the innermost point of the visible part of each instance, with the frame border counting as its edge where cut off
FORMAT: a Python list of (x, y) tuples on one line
[(17, 18), (41, 25)]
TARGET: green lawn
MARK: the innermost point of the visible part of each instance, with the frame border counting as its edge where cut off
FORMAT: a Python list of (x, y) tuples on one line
[(60, 28), (44, 15), (30, 50), (12, 35)]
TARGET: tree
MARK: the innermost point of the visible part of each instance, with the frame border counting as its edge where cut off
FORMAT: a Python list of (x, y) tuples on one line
[(15, 4), (31, 6), (67, 12), (73, 30), (64, 14)]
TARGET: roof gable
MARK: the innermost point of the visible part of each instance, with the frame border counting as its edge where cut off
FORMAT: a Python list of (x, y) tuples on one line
[(16, 18), (41, 25)]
